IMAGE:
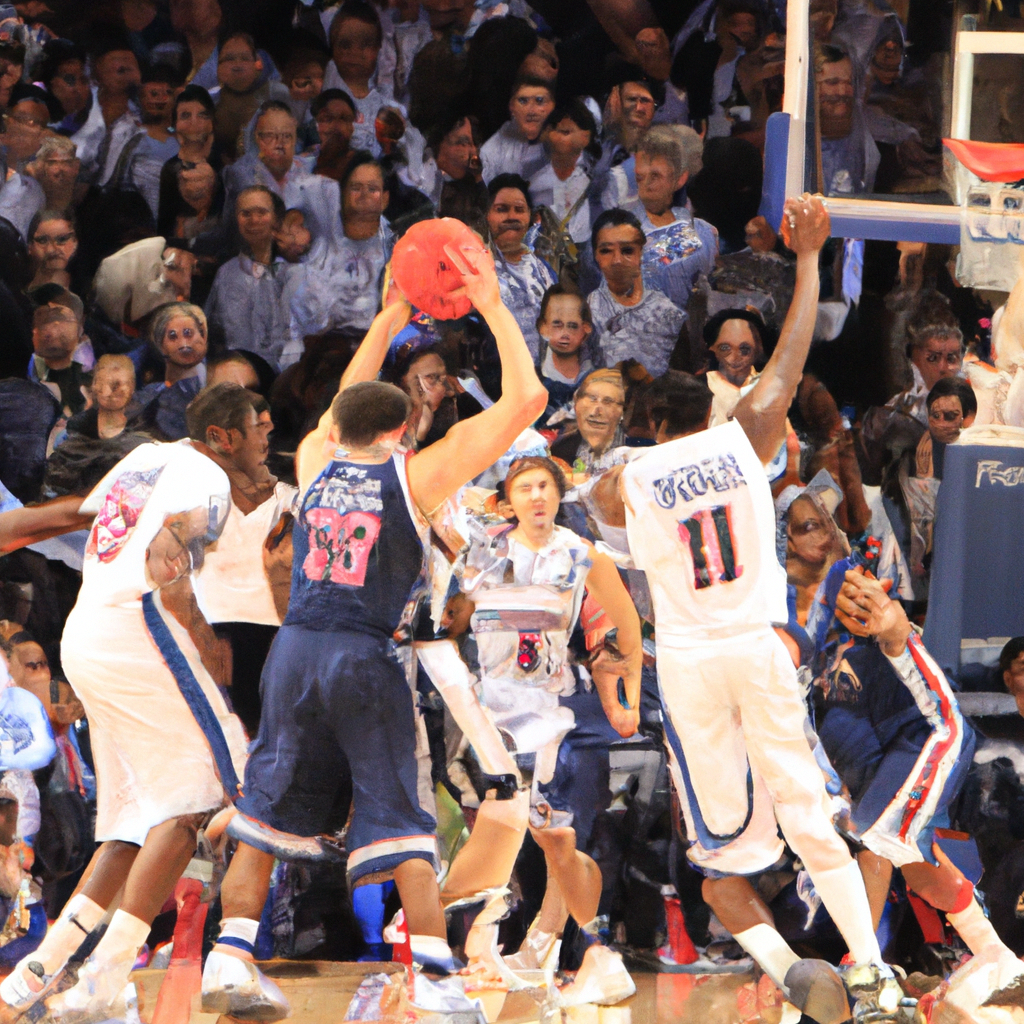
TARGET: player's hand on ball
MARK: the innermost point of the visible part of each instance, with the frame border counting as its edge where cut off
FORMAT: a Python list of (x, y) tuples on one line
[(864, 607), (479, 278), (805, 224)]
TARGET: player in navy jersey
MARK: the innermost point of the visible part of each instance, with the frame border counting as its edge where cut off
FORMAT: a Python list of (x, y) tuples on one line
[(333, 691)]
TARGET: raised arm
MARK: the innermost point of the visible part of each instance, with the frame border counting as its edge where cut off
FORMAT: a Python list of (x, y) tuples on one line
[(762, 412), (605, 586), (471, 446), (314, 451)]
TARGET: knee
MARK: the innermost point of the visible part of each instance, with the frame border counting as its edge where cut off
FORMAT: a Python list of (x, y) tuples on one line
[(557, 843), (942, 887)]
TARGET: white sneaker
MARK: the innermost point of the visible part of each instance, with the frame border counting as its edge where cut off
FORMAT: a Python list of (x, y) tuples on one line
[(994, 977), (238, 988), (25, 984), (537, 952), (98, 993), (602, 979)]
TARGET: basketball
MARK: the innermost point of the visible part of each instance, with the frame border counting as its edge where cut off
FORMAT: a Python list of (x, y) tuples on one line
[(426, 274)]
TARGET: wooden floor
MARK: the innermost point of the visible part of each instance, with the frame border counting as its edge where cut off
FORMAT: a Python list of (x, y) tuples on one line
[(320, 991)]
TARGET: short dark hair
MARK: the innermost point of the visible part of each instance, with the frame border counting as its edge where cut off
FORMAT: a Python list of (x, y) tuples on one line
[(109, 40), (276, 202), (269, 106), (681, 401), (829, 54), (365, 411), (162, 73), (620, 72), (531, 82), (238, 34), (355, 10), (360, 158), (326, 96), (615, 218), (563, 289), (579, 113), (1009, 653), (445, 124), (193, 94), (48, 214), (955, 387), (713, 327), (517, 181), (57, 52), (224, 405)]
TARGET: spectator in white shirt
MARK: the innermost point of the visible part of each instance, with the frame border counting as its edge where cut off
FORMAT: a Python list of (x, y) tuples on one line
[(516, 147), (561, 184)]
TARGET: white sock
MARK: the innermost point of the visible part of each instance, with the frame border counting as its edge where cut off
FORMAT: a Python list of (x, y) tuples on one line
[(66, 935), (239, 932), (124, 937), (79, 916), (430, 947), (770, 950), (842, 891), (974, 927)]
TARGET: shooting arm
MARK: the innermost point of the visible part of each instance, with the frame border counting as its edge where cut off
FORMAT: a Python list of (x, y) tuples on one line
[(314, 451), (762, 412), (471, 446), (23, 526)]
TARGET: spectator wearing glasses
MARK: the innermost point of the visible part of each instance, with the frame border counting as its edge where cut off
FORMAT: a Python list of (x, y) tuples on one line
[(243, 87), (275, 165), (628, 113), (52, 244), (24, 125), (594, 445), (334, 113), (341, 284)]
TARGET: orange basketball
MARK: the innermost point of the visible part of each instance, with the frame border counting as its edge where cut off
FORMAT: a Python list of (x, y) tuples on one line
[(426, 274)]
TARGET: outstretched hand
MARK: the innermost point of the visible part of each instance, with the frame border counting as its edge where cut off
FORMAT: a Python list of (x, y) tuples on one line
[(805, 224), (611, 667), (864, 607), (479, 278)]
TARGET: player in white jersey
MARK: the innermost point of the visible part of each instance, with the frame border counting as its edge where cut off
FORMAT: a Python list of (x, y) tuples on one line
[(700, 521)]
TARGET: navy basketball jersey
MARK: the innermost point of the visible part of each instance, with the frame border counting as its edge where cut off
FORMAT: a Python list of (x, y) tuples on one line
[(357, 547)]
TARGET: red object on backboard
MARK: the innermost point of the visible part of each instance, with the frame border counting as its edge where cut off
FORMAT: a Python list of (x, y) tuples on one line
[(990, 161), (426, 274)]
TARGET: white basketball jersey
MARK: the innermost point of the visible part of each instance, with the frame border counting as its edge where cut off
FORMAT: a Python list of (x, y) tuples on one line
[(701, 524)]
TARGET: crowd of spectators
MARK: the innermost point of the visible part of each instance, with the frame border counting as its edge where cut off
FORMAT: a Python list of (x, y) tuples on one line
[(195, 192)]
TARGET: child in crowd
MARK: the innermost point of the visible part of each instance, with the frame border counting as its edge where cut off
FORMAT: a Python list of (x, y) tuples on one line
[(569, 135), (355, 38), (565, 325), (516, 147), (112, 390), (303, 74), (243, 87)]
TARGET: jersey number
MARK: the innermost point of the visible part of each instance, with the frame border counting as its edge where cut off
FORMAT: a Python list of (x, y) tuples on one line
[(709, 535)]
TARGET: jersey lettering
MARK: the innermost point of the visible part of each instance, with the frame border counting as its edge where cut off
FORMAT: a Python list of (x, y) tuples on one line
[(720, 474), (712, 547)]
